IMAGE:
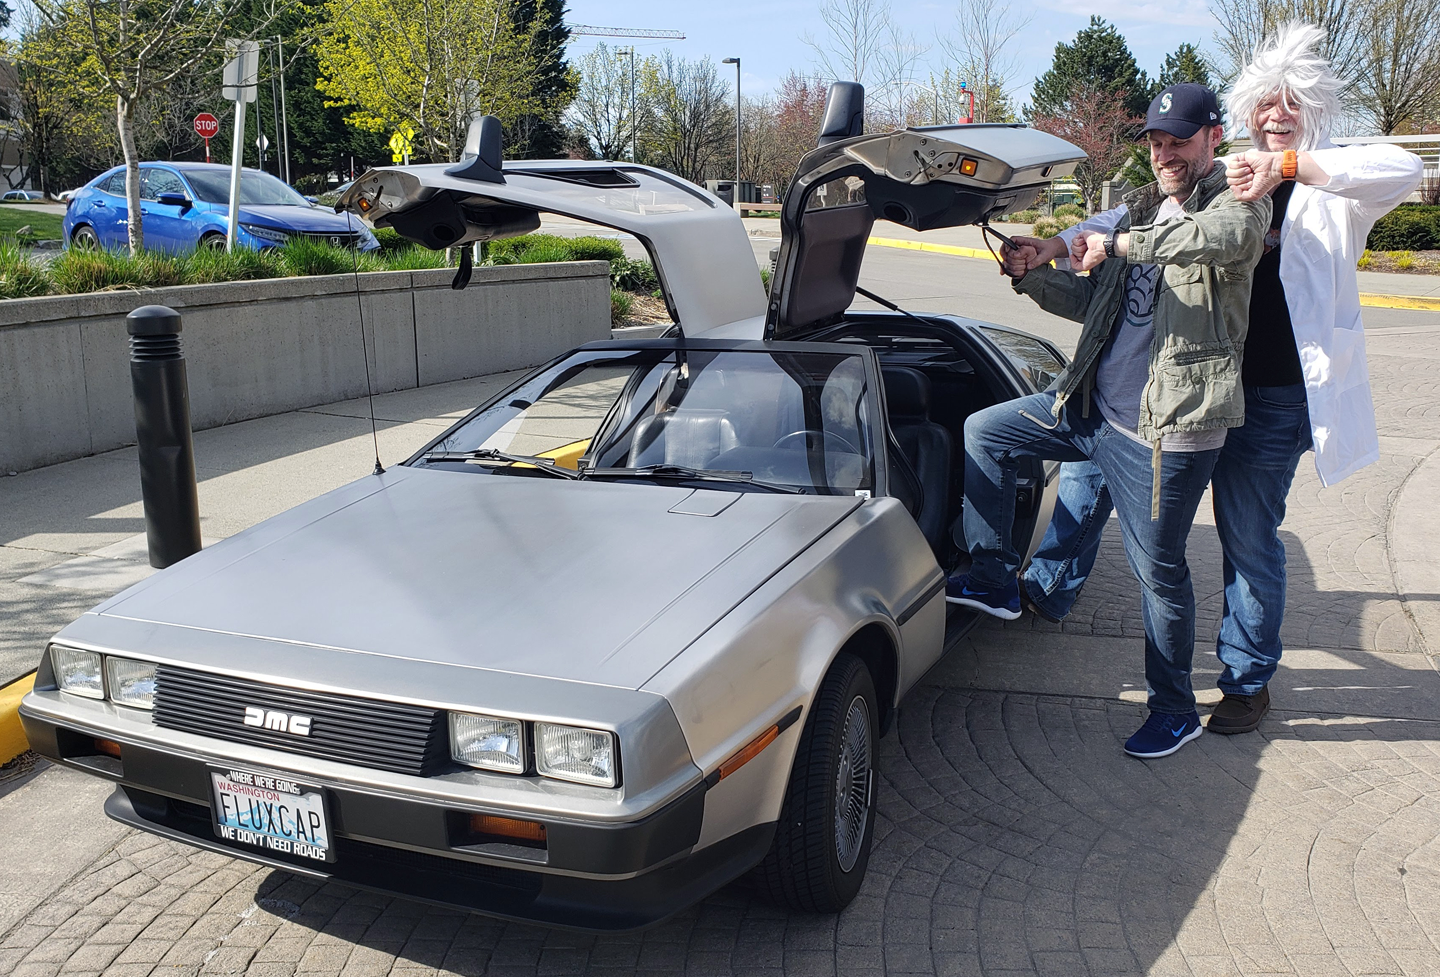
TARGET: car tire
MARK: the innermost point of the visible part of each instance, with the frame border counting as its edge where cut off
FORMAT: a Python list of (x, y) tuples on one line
[(85, 237), (822, 839), (214, 241)]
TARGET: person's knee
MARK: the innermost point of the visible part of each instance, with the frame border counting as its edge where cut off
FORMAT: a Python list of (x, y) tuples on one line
[(986, 429)]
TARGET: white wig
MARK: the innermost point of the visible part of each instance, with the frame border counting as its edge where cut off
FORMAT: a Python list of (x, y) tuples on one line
[(1290, 65)]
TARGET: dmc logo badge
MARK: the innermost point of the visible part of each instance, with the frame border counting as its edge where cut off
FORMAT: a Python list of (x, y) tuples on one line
[(1165, 103), (279, 721)]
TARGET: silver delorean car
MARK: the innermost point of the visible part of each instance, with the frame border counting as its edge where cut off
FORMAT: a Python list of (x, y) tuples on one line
[(633, 627)]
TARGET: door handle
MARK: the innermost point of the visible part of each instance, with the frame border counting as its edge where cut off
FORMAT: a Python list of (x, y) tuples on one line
[(99, 203)]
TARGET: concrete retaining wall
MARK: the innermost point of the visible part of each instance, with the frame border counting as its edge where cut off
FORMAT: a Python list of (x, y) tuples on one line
[(258, 348)]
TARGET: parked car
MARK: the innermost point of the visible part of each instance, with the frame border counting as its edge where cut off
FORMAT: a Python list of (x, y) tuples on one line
[(22, 196), (631, 628), (187, 205)]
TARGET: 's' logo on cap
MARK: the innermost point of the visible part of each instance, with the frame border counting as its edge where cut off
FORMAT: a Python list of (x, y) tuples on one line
[(1165, 103)]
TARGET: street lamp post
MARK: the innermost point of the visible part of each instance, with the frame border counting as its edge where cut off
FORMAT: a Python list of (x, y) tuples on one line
[(735, 194), (933, 92)]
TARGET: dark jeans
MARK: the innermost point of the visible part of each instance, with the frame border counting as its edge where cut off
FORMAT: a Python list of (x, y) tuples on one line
[(997, 438), (1250, 483)]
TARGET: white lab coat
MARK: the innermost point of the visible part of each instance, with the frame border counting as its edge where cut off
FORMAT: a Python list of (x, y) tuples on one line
[(1322, 236)]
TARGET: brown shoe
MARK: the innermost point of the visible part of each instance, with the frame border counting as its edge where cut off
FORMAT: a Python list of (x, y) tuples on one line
[(1239, 713)]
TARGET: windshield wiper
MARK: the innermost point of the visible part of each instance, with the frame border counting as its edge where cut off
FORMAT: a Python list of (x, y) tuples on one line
[(492, 454), (699, 474)]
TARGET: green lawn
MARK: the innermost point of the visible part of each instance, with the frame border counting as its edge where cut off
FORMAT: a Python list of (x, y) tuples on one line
[(43, 226)]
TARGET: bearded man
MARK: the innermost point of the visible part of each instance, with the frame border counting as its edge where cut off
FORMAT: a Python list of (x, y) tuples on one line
[(1149, 396), (1305, 379)]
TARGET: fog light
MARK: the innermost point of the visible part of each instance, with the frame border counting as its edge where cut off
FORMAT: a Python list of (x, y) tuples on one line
[(583, 756), (78, 672), (487, 743), (132, 683)]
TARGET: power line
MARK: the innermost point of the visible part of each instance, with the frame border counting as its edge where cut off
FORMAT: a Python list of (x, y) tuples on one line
[(587, 29)]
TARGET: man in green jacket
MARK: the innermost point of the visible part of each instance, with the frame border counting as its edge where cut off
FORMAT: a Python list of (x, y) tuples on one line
[(1153, 387)]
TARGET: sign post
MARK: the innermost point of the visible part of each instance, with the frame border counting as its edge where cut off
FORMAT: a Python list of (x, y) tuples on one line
[(242, 71), (207, 127)]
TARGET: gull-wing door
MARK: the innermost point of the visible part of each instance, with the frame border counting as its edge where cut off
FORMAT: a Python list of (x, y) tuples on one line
[(698, 245), (923, 177)]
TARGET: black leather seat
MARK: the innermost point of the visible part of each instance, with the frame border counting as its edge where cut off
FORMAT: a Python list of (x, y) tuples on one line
[(686, 437), (927, 446)]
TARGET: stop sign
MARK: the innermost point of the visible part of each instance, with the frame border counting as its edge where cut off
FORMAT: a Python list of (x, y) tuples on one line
[(206, 125)]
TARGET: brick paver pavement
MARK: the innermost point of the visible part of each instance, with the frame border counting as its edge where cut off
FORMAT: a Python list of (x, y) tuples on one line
[(1014, 837)]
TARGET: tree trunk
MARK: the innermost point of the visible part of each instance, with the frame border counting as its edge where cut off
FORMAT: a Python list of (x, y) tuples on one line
[(125, 122)]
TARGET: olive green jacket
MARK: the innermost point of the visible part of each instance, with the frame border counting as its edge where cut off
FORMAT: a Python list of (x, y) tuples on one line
[(1202, 306)]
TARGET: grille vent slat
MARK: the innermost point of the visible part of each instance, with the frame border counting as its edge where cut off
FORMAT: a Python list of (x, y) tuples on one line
[(372, 733)]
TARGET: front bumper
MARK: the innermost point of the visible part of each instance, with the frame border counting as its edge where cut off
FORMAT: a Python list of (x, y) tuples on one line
[(589, 875)]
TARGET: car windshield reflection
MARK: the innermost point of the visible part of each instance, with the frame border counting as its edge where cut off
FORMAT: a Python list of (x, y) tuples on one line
[(797, 420)]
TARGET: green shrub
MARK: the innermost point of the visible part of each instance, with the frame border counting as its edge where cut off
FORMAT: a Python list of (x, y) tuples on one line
[(307, 256), (1022, 217), (1045, 227), (632, 275), (1071, 210), (413, 258), (20, 276), (1407, 228), (1404, 260), (595, 249), (206, 265), (620, 305), (1066, 220), (391, 239), (765, 280), (1366, 260), (77, 270)]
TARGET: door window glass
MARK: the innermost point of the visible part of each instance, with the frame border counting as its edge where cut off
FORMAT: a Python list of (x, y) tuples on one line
[(154, 182), (115, 184)]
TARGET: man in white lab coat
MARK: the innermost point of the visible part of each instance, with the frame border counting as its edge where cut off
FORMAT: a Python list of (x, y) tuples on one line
[(1304, 373)]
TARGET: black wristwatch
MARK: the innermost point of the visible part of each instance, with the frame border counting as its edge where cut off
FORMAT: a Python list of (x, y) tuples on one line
[(1110, 244)]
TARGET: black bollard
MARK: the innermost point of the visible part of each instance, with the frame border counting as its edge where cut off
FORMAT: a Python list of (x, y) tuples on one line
[(162, 430)]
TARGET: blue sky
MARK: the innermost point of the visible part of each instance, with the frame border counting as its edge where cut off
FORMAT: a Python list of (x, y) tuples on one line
[(768, 36)]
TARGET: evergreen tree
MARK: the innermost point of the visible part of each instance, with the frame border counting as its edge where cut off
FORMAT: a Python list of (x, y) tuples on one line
[(1098, 59), (542, 134), (1186, 63)]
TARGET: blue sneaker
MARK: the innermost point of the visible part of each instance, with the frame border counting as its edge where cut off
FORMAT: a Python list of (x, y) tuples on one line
[(1163, 734), (1003, 603)]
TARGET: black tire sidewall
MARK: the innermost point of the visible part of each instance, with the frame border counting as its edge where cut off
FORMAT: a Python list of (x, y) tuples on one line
[(847, 884)]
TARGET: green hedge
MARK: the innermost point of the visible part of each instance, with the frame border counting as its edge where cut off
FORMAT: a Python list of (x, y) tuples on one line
[(1409, 227)]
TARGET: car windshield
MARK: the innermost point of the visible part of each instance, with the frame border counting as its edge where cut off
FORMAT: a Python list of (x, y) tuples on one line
[(799, 420), (256, 189)]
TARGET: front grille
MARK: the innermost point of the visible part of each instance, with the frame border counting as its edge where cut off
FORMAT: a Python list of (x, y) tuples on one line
[(343, 239), (366, 732)]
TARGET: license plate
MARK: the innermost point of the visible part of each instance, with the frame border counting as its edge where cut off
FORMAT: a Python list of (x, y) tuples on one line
[(271, 812)]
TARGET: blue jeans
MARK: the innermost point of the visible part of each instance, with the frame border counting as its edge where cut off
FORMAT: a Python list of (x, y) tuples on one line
[(999, 437), (1250, 483)]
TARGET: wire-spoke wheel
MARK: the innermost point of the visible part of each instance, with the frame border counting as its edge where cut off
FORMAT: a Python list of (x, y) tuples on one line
[(822, 838)]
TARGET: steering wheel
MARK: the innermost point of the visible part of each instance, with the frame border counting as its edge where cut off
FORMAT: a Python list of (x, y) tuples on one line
[(823, 435)]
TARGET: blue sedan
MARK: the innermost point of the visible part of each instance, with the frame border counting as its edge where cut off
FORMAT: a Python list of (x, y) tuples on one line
[(186, 205)]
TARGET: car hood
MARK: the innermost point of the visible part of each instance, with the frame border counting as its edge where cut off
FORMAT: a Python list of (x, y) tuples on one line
[(290, 217), (561, 579)]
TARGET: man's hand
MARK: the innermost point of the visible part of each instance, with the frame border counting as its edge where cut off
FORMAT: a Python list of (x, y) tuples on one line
[(1045, 250), (1088, 251), (1015, 262), (1254, 174)]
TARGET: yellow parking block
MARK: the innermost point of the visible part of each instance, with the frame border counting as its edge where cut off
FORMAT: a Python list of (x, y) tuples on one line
[(1373, 300), (12, 737)]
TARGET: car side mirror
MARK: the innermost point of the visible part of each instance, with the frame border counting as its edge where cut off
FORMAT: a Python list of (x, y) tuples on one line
[(312, 200), (173, 200)]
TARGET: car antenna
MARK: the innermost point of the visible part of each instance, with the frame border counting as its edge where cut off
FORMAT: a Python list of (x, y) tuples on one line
[(365, 352)]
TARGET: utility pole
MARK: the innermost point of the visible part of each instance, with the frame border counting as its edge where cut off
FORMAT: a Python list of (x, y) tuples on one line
[(284, 116), (735, 194), (634, 122)]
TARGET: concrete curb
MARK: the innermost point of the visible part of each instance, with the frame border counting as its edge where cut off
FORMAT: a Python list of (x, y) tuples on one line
[(12, 736), (1371, 299)]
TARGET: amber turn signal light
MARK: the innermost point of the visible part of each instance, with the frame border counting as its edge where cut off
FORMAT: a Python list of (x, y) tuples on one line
[(749, 752), (108, 747), (489, 824), (967, 166)]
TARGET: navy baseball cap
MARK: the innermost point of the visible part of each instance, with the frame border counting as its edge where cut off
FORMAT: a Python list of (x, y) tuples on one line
[(1182, 109)]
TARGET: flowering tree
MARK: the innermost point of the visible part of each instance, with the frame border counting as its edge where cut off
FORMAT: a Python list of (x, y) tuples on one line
[(1096, 120)]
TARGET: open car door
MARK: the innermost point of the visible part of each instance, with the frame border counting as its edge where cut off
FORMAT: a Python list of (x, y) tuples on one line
[(923, 177), (698, 245)]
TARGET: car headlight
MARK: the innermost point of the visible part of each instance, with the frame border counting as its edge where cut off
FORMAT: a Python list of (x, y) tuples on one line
[(487, 742), (132, 683), (584, 756), (266, 233), (78, 672)]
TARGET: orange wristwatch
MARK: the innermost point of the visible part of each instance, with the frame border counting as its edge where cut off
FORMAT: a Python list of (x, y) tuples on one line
[(1289, 164)]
